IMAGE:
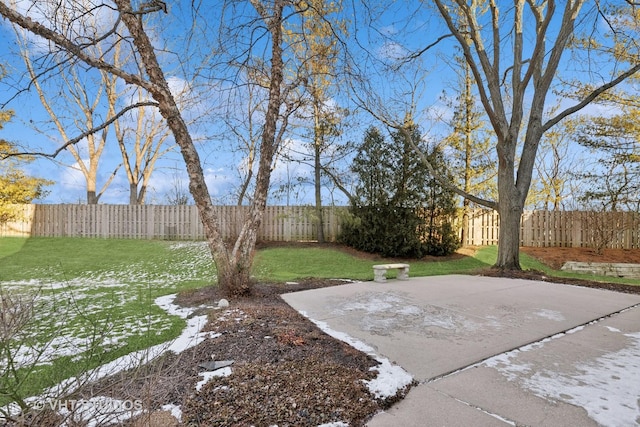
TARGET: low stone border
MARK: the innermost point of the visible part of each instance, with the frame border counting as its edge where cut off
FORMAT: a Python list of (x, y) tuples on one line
[(604, 269)]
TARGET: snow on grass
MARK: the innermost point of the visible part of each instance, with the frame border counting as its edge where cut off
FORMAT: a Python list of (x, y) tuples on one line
[(100, 410), (59, 346), (71, 314), (95, 312), (391, 378), (190, 337)]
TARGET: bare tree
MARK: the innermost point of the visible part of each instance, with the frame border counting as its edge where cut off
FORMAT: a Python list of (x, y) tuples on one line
[(244, 127), (233, 261), (526, 82), (142, 142), (472, 161), (317, 49), (72, 106)]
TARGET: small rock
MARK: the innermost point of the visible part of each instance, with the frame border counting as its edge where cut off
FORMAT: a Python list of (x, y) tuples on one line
[(223, 303)]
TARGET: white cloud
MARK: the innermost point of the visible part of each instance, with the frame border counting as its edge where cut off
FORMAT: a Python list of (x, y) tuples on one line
[(71, 177), (392, 51), (70, 18), (388, 30)]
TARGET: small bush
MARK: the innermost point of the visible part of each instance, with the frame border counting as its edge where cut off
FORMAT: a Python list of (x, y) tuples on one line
[(388, 231)]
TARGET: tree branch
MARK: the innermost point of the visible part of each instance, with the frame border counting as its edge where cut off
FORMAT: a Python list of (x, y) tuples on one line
[(338, 184), (444, 182), (39, 29), (425, 49), (83, 134), (593, 95)]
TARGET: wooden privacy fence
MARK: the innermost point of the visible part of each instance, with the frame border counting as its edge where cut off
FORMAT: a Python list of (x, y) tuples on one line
[(280, 223), (298, 223), (559, 228)]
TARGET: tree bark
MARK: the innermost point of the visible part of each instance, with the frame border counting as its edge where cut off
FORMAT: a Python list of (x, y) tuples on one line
[(236, 273), (92, 197), (133, 194), (509, 237), (168, 108)]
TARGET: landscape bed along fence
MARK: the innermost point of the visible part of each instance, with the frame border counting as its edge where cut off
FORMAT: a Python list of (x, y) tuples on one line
[(299, 223)]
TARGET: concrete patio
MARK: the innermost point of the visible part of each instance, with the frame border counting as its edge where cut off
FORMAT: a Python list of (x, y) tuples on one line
[(495, 352)]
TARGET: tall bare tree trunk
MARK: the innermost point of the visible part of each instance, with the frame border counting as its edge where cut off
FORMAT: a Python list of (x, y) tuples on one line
[(235, 269), (468, 147), (509, 236), (317, 169)]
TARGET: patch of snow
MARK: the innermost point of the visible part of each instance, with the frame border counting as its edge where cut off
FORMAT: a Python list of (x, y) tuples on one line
[(58, 347), (33, 283), (166, 303), (608, 387), (175, 410), (550, 314), (188, 245), (335, 424), (391, 378), (206, 376), (503, 363)]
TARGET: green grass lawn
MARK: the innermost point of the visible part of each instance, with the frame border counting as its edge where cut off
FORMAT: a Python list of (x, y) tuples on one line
[(94, 298), (11, 245), (281, 264)]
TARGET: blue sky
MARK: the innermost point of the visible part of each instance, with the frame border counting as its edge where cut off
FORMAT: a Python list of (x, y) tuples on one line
[(398, 29)]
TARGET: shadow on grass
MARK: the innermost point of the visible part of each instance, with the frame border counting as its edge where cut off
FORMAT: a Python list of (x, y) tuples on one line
[(11, 245)]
